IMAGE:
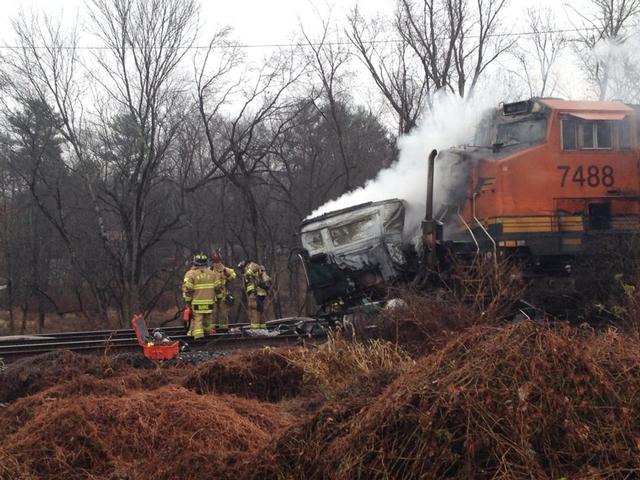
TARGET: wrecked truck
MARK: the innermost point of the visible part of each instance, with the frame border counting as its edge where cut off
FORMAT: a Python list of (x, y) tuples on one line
[(354, 254)]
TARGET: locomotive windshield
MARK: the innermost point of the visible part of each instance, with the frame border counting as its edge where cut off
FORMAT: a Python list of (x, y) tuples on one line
[(499, 130), (530, 130)]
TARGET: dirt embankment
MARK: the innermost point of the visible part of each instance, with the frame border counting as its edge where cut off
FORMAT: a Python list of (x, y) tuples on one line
[(524, 400), (76, 417), (262, 374)]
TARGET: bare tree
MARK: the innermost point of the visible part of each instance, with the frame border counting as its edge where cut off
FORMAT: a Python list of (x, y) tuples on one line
[(125, 155), (454, 40), (540, 51), (605, 26), (146, 40), (391, 67), (435, 45), (240, 145), (45, 65), (328, 59)]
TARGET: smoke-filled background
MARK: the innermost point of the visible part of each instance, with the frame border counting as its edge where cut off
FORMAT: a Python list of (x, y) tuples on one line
[(450, 121)]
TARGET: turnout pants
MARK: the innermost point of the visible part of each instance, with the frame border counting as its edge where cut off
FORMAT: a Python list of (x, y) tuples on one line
[(221, 314), (256, 310), (201, 323)]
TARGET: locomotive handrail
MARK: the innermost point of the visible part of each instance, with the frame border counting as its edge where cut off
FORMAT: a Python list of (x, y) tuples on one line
[(475, 240), (486, 232)]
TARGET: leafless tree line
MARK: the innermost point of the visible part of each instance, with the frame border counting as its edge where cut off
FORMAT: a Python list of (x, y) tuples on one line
[(116, 164)]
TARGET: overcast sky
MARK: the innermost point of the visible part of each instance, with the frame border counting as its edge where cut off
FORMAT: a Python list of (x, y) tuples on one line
[(254, 21), (269, 22)]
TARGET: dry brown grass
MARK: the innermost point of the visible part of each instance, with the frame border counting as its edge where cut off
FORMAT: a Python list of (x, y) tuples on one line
[(339, 361), (119, 433), (513, 402), (11, 468), (265, 374), (483, 292)]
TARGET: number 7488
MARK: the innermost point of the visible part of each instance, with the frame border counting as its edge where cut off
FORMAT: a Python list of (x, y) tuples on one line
[(592, 175)]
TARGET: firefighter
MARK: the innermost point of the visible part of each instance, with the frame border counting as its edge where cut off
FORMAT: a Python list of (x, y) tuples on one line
[(198, 291), (257, 284), (223, 299)]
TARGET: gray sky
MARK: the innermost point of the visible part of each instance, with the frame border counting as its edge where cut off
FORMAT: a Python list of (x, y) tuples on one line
[(254, 21), (267, 22)]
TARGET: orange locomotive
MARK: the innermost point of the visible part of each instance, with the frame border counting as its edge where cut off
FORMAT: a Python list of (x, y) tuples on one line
[(543, 177)]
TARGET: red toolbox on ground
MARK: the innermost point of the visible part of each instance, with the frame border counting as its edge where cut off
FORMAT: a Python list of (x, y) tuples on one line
[(150, 347)]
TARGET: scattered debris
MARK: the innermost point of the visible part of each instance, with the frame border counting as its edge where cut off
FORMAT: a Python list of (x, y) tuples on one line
[(261, 332), (198, 356), (138, 360)]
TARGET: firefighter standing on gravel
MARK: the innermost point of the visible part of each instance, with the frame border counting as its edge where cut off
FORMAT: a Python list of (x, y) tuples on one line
[(257, 284), (198, 292), (223, 299)]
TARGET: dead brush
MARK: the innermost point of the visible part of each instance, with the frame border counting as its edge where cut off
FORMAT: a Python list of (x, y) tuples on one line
[(167, 433), (608, 282), (266, 374), (12, 468), (516, 402), (338, 361), (32, 374), (491, 286), (483, 292), (423, 320)]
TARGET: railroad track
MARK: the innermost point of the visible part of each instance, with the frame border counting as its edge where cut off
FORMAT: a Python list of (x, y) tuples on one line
[(122, 340)]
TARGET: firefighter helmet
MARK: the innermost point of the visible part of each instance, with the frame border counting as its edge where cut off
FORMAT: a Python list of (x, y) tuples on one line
[(200, 259), (242, 265), (216, 256)]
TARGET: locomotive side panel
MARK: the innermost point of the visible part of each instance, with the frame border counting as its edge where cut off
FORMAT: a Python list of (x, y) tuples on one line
[(581, 180)]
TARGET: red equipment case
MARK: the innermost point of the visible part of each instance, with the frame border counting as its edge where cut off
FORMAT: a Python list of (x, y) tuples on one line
[(149, 348)]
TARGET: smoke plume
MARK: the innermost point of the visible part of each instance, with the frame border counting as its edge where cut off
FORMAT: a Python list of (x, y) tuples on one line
[(449, 122), (618, 64)]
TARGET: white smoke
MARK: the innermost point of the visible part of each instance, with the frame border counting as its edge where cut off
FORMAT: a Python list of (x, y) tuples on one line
[(618, 61), (449, 122)]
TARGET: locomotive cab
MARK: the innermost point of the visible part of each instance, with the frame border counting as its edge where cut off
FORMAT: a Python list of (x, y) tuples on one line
[(547, 176)]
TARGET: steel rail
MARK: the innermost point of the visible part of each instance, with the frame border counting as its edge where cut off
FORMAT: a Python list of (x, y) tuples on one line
[(71, 336), (89, 335), (221, 342)]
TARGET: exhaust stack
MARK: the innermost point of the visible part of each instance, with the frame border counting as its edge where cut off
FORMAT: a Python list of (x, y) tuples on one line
[(431, 229), (429, 211)]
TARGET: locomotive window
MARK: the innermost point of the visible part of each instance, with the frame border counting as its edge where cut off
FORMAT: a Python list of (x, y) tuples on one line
[(603, 134), (569, 134), (485, 130), (586, 135), (527, 131), (624, 135)]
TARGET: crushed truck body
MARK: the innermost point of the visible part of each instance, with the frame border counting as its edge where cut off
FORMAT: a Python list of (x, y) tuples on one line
[(354, 253)]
